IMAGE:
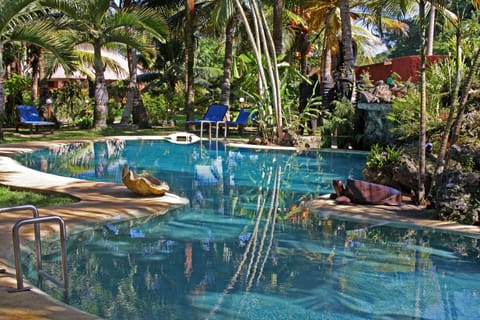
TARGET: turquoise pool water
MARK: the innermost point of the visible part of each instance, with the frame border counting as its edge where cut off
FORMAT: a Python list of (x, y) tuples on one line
[(247, 247)]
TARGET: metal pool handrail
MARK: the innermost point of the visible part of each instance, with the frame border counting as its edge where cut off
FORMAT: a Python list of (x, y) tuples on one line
[(37, 220), (36, 214)]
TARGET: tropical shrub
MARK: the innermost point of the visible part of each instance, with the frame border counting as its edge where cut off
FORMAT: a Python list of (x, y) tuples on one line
[(340, 121), (84, 122), (18, 90), (380, 157), (156, 106), (71, 101)]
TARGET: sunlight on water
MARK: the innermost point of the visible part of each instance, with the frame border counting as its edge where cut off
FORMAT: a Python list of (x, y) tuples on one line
[(248, 247)]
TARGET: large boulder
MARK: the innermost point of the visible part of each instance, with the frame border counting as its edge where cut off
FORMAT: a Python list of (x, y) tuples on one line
[(457, 196), (401, 175)]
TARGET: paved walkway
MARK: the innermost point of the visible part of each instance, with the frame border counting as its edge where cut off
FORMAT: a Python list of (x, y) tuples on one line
[(102, 201)]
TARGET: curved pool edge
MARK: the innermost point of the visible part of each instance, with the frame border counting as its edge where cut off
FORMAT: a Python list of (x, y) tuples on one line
[(406, 215)]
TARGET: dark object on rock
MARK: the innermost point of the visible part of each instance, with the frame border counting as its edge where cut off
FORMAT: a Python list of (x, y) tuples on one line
[(429, 147), (363, 192)]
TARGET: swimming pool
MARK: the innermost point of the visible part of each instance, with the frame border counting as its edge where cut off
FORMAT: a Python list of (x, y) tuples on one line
[(245, 248)]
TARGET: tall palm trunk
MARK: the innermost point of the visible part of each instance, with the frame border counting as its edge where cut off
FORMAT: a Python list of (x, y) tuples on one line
[(43, 82), (2, 92), (328, 84), (278, 25), (101, 93), (423, 110), (189, 59), (227, 62), (139, 112), (132, 82), (431, 28), (347, 46), (35, 62), (39, 78), (134, 104)]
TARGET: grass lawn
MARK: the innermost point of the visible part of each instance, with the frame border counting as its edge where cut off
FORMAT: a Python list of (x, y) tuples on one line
[(11, 197)]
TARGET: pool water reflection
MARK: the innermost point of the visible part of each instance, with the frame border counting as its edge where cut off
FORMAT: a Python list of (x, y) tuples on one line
[(207, 174), (246, 247)]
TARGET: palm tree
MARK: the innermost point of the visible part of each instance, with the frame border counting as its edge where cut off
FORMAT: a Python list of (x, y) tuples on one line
[(189, 57), (93, 22), (348, 58), (333, 20), (20, 21), (278, 25), (422, 160), (134, 99), (225, 17), (227, 62)]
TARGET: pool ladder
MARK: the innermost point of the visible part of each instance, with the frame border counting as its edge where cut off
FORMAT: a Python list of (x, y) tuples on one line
[(36, 221)]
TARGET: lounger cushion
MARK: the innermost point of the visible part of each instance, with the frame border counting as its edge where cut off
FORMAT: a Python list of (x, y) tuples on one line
[(30, 115)]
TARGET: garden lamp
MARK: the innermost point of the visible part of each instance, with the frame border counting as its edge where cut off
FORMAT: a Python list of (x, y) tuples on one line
[(49, 107), (242, 101), (86, 107)]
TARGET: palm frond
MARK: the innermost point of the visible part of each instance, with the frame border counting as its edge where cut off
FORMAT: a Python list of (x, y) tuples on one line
[(45, 35), (476, 4)]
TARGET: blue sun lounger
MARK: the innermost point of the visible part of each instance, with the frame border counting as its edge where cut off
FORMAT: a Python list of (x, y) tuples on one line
[(28, 116), (243, 118), (215, 114)]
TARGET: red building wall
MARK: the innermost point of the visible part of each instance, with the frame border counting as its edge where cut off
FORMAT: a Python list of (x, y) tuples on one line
[(408, 68)]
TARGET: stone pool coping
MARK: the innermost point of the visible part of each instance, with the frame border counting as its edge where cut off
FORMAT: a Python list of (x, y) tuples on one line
[(105, 201)]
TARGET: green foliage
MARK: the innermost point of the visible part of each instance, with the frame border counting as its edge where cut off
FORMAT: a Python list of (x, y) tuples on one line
[(290, 80), (208, 70), (163, 101), (468, 163), (70, 101), (379, 157), (115, 109), (405, 115), (17, 87), (293, 120), (340, 120), (244, 81), (401, 46), (156, 106), (266, 121), (84, 122), (18, 91)]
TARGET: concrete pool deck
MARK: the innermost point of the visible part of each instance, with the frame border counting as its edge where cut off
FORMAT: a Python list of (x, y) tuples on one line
[(106, 201)]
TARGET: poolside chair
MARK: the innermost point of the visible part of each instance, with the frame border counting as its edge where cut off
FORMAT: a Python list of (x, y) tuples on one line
[(215, 114), (29, 117), (244, 117)]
